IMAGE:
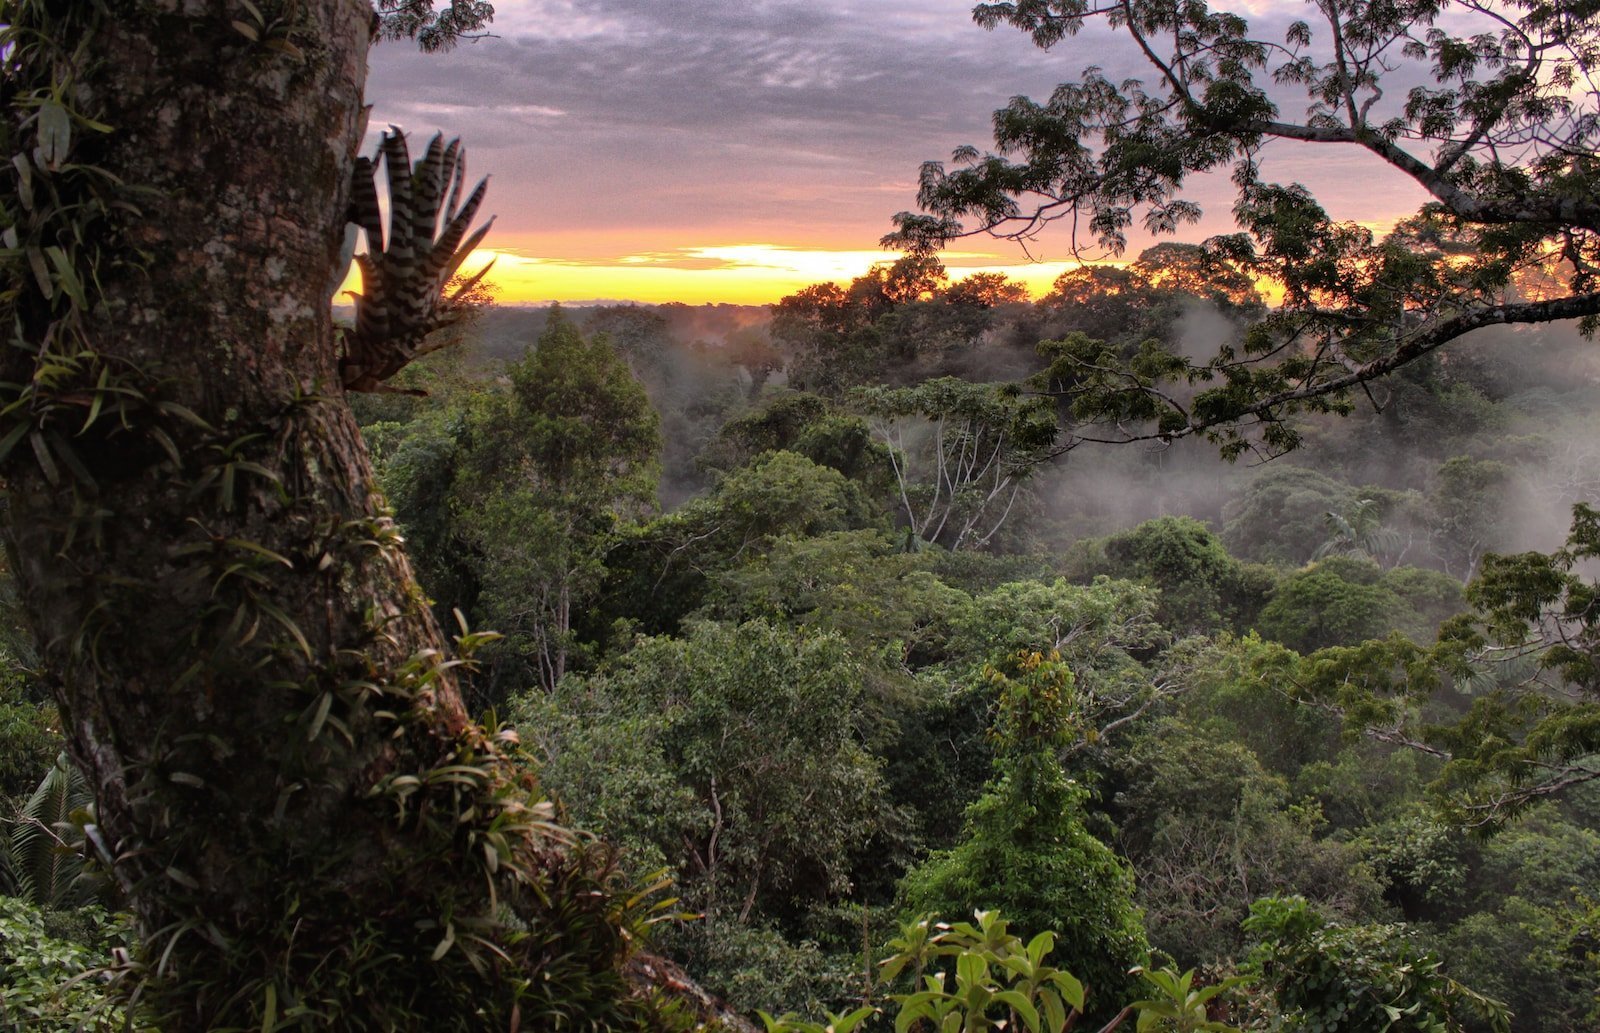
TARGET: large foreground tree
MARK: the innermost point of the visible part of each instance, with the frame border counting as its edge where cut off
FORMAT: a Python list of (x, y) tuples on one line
[(1488, 107), (309, 829)]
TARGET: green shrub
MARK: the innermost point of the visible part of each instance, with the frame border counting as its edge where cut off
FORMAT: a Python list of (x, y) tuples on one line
[(1328, 978), (48, 963), (30, 734)]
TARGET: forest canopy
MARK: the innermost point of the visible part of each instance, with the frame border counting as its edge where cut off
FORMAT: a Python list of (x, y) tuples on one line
[(831, 685)]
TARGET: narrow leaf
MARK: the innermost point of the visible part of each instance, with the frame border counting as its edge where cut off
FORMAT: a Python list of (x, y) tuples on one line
[(183, 878), (41, 452), (320, 717), (446, 943), (24, 189), (13, 436), (67, 276), (260, 550), (288, 625), (41, 272)]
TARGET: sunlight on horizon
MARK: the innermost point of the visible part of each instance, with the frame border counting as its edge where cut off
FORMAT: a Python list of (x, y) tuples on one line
[(735, 274)]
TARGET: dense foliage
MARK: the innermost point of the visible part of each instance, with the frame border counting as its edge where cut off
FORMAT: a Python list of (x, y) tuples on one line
[(821, 721), (806, 614), (821, 725)]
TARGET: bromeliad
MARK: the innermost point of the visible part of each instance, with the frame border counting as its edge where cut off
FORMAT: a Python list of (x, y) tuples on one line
[(404, 274)]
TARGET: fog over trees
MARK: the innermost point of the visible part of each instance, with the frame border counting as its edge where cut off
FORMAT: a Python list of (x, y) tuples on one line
[(1208, 643)]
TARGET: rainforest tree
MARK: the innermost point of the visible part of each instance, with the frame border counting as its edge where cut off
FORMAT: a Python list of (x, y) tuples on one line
[(1025, 850), (1482, 106), (307, 826), (560, 462), (960, 452)]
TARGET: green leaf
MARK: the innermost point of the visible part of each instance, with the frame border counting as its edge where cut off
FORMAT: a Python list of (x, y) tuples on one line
[(971, 970), (269, 1010), (69, 458), (13, 436), (167, 445), (1022, 1006), (260, 550), (919, 1006), (99, 399), (41, 452), (258, 470), (67, 276), (1205, 994), (183, 878), (183, 412), (848, 1023), (1071, 988), (41, 272), (1055, 1016), (55, 133), (320, 718), (446, 943), (24, 169), (288, 625)]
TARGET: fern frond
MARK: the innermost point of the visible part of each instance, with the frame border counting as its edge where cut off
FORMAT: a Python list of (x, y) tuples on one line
[(40, 851)]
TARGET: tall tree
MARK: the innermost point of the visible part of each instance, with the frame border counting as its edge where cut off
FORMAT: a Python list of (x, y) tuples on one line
[(561, 461), (960, 454), (1025, 850), (1480, 105), (310, 831)]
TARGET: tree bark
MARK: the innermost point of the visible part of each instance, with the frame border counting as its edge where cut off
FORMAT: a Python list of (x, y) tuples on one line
[(289, 790)]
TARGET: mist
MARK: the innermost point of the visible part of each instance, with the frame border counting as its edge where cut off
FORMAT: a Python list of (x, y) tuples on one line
[(1519, 403)]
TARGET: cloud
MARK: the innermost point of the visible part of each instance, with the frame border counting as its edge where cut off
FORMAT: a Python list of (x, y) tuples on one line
[(673, 122), (768, 114), (432, 109)]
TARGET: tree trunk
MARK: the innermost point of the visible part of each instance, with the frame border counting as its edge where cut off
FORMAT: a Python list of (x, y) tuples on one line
[(299, 811)]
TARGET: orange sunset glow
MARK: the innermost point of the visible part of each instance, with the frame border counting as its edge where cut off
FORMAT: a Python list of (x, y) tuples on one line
[(741, 274), (736, 274)]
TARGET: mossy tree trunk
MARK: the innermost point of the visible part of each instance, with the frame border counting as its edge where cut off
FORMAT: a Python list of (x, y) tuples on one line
[(295, 800)]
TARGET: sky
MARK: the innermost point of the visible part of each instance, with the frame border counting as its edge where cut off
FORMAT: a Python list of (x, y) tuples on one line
[(713, 151)]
